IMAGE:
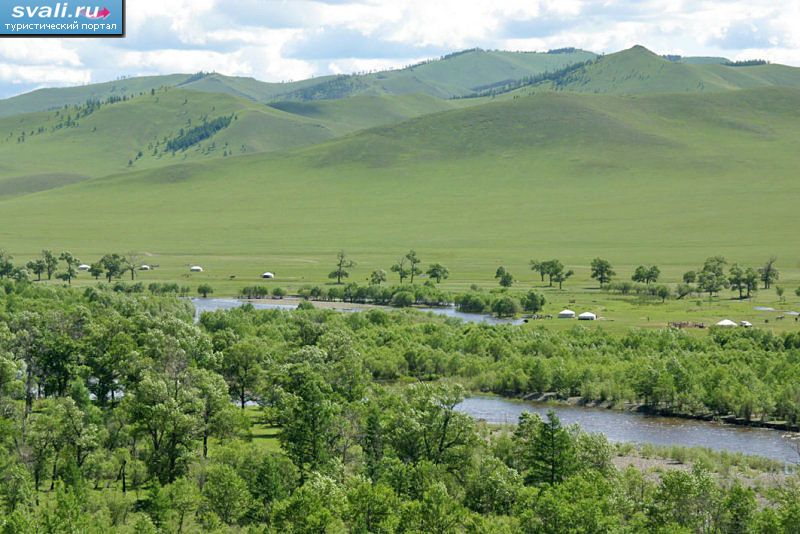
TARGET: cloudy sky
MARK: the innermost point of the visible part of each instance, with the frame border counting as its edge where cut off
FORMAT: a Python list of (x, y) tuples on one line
[(275, 40)]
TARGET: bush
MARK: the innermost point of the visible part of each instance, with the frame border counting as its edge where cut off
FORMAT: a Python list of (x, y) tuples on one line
[(505, 306), (278, 293), (403, 299)]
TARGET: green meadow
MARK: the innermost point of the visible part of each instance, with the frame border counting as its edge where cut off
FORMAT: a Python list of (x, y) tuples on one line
[(618, 171)]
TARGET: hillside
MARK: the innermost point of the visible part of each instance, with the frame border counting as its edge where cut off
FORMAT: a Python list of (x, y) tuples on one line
[(454, 75), (638, 70), (50, 149), (651, 178)]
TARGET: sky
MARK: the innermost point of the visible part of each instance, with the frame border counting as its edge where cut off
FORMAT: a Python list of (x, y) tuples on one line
[(281, 40)]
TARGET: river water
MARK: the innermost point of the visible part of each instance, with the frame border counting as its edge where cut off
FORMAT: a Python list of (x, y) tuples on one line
[(620, 426), (213, 304)]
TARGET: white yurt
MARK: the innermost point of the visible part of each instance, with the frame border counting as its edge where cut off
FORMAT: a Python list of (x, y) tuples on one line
[(746, 324), (727, 323), (144, 268), (587, 316), (196, 269), (566, 314), (84, 267), (268, 275)]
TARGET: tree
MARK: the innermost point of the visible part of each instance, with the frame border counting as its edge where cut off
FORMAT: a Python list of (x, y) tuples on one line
[(750, 281), (217, 414), (401, 269), (438, 272), (690, 277), (736, 279), (533, 302), (646, 275), (6, 265), (241, 367), (51, 263), (540, 267), (226, 493), (342, 266), (663, 293), (768, 273), (711, 278), (602, 271), (307, 415), (205, 290), (112, 265), (96, 270), (505, 306), (413, 262), (505, 278), (164, 408), (562, 276), (130, 263), (37, 267), (779, 290), (547, 450), (377, 277), (71, 270)]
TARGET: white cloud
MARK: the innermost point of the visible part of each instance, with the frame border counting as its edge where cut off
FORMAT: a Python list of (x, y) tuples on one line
[(277, 40)]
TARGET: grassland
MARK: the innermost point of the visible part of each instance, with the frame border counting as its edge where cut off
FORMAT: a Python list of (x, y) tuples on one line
[(665, 179)]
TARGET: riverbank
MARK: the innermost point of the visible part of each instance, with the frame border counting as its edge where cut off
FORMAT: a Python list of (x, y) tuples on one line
[(729, 419)]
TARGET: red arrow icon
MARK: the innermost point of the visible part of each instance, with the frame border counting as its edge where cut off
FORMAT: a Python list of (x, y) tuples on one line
[(102, 14)]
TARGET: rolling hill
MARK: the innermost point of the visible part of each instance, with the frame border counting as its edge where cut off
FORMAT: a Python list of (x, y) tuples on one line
[(49, 149), (647, 178), (453, 75), (638, 70)]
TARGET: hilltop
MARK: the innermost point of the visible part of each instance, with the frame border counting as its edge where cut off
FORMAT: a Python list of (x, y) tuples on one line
[(453, 75)]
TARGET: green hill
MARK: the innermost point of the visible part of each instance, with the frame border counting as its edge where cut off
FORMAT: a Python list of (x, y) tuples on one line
[(638, 70), (650, 178), (454, 75), (50, 149)]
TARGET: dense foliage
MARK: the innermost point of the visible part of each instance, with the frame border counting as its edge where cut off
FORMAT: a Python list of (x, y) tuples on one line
[(118, 412)]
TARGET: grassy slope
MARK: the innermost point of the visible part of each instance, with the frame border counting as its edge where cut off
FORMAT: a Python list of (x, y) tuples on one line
[(637, 70), (47, 99), (634, 179), (106, 140)]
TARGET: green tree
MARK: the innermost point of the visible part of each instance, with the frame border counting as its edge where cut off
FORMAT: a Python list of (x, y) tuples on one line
[(438, 272), (71, 270), (736, 279), (164, 408), (37, 267), (217, 414), (226, 493), (112, 265), (690, 277), (371, 507), (547, 450), (96, 270), (130, 263), (779, 290), (540, 267), (533, 302), (413, 264), (307, 416), (562, 276), (504, 278), (241, 367), (505, 306), (646, 275), (377, 277), (6, 264), (184, 499), (768, 273), (602, 271), (343, 264), (401, 268), (51, 263), (663, 293), (205, 290)]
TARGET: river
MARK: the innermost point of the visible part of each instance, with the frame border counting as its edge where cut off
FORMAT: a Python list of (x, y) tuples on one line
[(621, 426), (213, 304)]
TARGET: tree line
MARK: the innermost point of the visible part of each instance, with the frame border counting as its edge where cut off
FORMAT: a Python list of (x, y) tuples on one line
[(116, 413)]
